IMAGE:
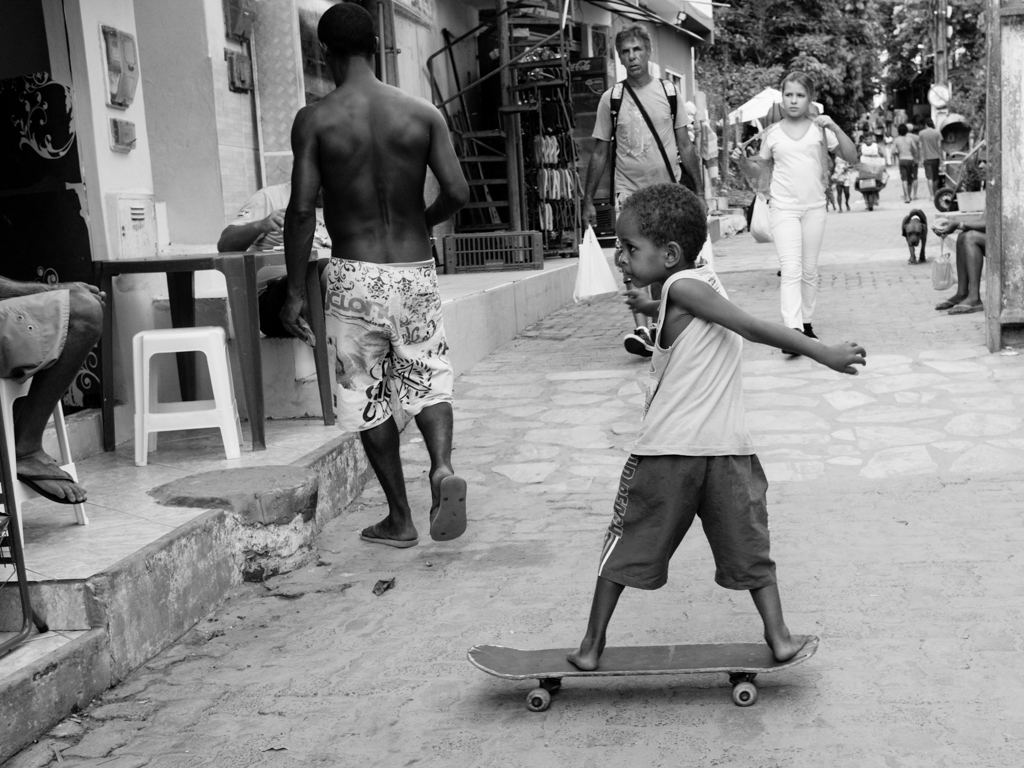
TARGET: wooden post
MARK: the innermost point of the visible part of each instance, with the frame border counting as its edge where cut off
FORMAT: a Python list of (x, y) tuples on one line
[(1004, 251)]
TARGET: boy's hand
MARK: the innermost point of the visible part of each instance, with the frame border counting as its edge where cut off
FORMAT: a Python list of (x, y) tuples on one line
[(842, 357), (638, 301)]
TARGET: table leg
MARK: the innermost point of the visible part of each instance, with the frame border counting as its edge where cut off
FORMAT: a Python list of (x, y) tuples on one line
[(316, 322), (240, 275), (107, 365), (181, 293)]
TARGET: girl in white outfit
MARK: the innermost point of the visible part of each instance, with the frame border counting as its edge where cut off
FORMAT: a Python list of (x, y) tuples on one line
[(796, 150)]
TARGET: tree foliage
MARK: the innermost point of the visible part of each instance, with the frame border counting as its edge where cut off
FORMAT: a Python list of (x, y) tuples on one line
[(837, 42), (910, 53)]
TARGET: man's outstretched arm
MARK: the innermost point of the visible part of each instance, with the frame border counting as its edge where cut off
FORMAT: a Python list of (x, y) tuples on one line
[(300, 220), (444, 164)]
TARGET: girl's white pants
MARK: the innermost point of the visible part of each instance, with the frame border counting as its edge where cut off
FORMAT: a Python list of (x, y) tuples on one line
[(798, 236)]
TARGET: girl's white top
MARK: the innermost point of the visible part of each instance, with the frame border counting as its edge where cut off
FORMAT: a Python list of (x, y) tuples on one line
[(797, 178), (694, 389)]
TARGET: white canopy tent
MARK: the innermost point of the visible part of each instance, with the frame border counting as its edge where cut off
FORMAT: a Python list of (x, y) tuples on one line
[(757, 107)]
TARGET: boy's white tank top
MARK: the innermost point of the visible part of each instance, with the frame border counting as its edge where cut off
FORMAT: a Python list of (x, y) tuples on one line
[(694, 399)]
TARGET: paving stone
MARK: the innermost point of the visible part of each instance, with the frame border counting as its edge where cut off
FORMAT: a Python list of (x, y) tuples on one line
[(535, 472)]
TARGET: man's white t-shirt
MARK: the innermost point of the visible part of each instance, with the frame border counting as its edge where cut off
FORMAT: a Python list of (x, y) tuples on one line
[(638, 161), (258, 207), (797, 182)]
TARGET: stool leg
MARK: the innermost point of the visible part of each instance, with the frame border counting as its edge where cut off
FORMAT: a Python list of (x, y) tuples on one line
[(141, 399), (224, 397)]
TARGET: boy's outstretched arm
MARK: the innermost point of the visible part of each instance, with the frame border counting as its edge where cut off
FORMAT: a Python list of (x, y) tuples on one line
[(701, 300)]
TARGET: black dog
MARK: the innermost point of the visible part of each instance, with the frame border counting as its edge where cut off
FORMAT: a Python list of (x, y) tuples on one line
[(915, 230)]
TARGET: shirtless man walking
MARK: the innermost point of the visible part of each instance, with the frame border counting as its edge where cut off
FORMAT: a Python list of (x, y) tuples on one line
[(369, 146)]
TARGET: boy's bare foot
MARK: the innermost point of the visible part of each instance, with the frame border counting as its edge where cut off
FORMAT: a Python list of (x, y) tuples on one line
[(587, 656), (385, 532), (40, 471), (785, 648)]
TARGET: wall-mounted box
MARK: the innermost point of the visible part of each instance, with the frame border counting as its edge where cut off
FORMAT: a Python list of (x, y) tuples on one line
[(134, 215), (121, 60), (239, 71), (122, 135), (238, 18)]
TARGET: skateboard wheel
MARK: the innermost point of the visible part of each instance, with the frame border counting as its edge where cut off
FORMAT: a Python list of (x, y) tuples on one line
[(744, 694), (538, 700)]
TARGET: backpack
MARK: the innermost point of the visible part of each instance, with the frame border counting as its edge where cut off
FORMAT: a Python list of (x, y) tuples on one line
[(616, 104)]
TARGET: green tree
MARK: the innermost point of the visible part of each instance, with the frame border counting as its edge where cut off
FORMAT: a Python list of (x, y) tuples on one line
[(910, 53), (835, 41)]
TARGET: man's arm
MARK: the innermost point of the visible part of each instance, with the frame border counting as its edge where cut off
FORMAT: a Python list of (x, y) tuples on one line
[(239, 237), (12, 289), (595, 171), (688, 157), (444, 164), (300, 220)]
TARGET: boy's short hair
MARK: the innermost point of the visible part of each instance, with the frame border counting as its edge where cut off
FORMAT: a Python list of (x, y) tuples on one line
[(347, 30), (633, 32), (667, 213), (901, 129)]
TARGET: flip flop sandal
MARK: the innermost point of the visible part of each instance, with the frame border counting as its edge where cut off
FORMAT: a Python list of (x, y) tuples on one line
[(397, 543), (450, 521), (942, 306), (960, 309), (57, 474)]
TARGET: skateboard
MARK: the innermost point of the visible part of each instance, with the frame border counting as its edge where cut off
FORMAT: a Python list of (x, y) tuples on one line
[(741, 661)]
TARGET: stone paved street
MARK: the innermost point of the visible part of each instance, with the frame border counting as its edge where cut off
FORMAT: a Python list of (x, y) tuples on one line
[(897, 527)]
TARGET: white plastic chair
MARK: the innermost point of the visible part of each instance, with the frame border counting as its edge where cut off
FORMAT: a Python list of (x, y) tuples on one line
[(10, 391), (152, 416)]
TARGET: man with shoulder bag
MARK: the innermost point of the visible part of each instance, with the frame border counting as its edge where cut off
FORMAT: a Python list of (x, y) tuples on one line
[(642, 131)]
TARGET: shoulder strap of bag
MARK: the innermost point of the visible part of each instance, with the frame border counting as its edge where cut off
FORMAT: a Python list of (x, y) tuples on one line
[(654, 133), (616, 105), (673, 102)]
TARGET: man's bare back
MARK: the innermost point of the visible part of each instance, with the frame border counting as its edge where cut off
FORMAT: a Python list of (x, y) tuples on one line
[(369, 146)]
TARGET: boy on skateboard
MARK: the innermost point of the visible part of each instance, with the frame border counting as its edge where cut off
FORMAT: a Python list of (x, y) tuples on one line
[(693, 455)]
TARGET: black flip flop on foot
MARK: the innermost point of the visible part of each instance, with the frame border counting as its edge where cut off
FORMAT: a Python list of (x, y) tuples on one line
[(450, 520), (58, 475)]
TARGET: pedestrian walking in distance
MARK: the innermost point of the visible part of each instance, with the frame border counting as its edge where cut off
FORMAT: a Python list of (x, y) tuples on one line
[(794, 153), (693, 455), (368, 145)]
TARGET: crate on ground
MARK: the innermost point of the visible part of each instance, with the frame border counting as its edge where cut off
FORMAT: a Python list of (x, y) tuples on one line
[(493, 251)]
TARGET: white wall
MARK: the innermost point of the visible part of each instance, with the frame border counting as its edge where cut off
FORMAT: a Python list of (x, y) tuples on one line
[(106, 172)]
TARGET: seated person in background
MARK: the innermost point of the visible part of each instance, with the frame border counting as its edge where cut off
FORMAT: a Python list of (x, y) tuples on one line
[(970, 258), (46, 332), (259, 226)]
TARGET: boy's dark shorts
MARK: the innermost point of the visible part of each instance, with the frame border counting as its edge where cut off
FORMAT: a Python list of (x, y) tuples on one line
[(931, 169), (908, 170), (657, 500)]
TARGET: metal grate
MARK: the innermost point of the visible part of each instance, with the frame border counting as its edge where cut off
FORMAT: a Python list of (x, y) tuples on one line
[(493, 251)]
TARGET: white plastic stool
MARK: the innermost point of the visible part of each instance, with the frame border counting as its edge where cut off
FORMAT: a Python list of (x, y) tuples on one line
[(152, 416), (10, 391)]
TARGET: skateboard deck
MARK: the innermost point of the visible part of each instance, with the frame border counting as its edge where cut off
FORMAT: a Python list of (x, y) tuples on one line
[(741, 661)]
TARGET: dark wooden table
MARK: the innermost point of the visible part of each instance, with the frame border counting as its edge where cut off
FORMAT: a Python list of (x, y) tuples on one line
[(239, 270)]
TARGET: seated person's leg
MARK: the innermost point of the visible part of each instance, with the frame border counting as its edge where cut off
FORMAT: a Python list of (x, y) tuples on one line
[(974, 261), (49, 383)]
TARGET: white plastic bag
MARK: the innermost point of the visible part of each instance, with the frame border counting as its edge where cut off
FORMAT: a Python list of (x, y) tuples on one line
[(594, 277), (942, 269), (760, 221)]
